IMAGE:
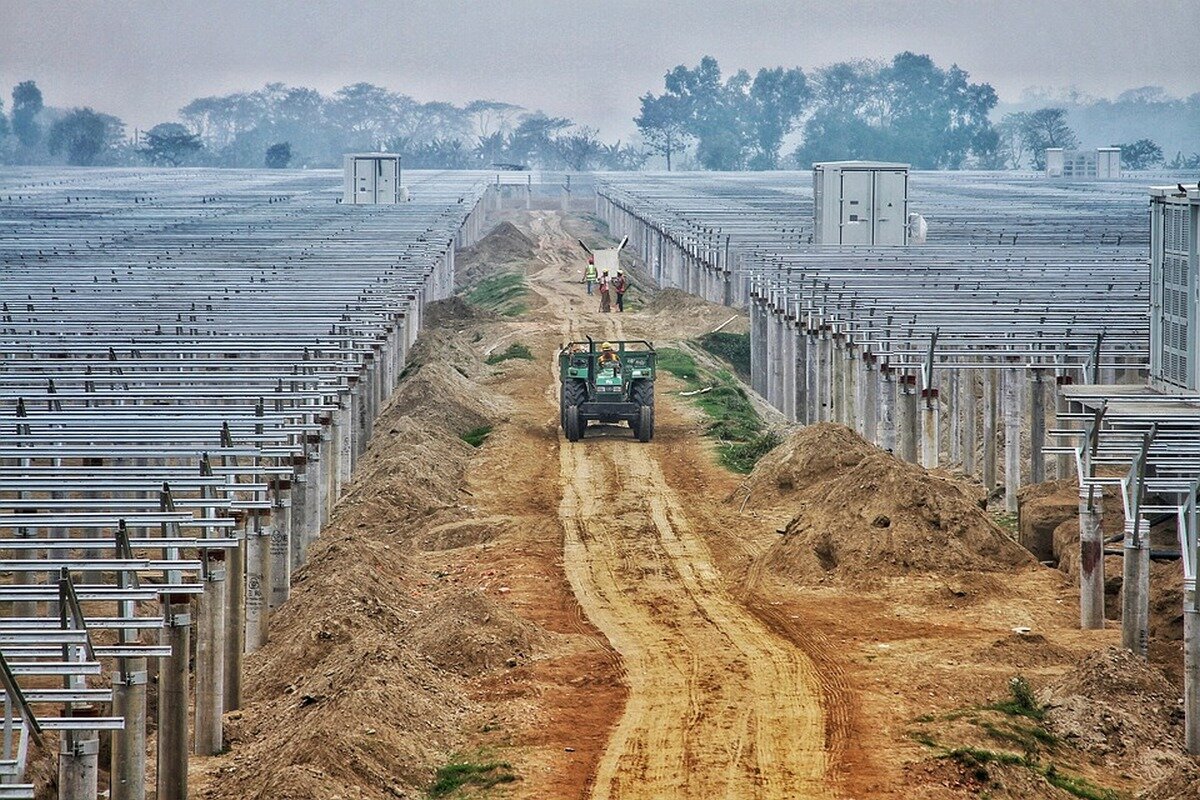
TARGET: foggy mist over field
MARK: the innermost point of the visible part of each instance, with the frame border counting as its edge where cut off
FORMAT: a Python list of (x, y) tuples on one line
[(589, 61), (614, 86)]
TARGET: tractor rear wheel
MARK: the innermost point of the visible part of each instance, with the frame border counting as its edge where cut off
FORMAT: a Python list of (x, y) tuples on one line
[(572, 393), (574, 426), (645, 424), (643, 393)]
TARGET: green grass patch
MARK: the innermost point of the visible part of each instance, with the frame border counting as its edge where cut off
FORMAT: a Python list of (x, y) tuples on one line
[(733, 348), (1021, 701), (475, 436), (514, 351), (1007, 522), (1015, 723), (503, 293), (1077, 786), (678, 363), (733, 421), (459, 775)]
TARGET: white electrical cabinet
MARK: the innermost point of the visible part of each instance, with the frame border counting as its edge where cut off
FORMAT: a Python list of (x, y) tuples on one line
[(371, 179), (860, 202), (1174, 279), (1103, 163)]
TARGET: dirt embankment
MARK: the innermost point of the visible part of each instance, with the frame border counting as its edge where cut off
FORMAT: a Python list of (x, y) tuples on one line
[(1120, 709), (861, 512), (362, 689), (505, 245)]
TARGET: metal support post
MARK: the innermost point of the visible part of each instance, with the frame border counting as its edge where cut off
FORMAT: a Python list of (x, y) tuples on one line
[(235, 619), (1012, 438), (1091, 559), (172, 774), (210, 658), (990, 395), (127, 774), (1037, 427), (1135, 587), (930, 434)]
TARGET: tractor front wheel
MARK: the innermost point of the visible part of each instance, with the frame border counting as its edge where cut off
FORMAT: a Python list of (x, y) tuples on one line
[(574, 426), (645, 424)]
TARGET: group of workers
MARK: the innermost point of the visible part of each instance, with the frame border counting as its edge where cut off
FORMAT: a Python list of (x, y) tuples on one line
[(608, 286)]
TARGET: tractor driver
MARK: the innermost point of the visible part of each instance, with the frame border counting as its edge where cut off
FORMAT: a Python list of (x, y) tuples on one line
[(608, 355)]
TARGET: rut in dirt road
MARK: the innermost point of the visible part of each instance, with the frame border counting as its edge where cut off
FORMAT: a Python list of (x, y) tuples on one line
[(719, 707)]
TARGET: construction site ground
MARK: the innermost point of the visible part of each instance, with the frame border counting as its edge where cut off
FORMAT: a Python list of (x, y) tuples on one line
[(531, 618)]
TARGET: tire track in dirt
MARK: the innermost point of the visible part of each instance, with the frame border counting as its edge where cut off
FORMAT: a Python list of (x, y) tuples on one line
[(719, 705)]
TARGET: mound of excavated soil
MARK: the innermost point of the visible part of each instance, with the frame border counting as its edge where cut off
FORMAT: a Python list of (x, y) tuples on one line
[(1117, 706), (1181, 783), (809, 456), (861, 512), (687, 315), (504, 244), (1023, 652), (350, 697), (469, 633)]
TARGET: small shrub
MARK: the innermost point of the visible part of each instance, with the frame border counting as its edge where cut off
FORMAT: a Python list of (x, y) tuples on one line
[(731, 347), (514, 351), (742, 456), (458, 775), (1021, 701), (476, 436)]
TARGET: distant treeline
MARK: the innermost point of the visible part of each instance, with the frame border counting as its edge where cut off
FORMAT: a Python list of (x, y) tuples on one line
[(906, 109)]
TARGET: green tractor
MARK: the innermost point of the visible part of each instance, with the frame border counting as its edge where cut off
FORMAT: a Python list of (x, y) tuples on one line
[(610, 383)]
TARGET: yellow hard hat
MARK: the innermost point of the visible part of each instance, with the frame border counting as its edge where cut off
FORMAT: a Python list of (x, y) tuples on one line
[(606, 346)]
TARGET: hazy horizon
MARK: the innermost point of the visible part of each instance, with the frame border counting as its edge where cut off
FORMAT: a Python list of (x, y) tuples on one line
[(588, 61)]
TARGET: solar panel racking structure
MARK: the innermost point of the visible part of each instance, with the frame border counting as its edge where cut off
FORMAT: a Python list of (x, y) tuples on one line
[(191, 362)]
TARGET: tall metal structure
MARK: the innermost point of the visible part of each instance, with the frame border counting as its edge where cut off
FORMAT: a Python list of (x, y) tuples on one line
[(860, 202), (1174, 282)]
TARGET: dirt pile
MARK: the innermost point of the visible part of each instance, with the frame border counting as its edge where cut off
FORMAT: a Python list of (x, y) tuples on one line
[(1181, 783), (470, 633), (504, 244), (862, 512), (671, 304), (1116, 706), (359, 692), (806, 457)]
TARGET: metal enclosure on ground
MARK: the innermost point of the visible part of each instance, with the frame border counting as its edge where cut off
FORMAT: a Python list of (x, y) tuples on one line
[(860, 202), (372, 179), (1174, 329), (1103, 163)]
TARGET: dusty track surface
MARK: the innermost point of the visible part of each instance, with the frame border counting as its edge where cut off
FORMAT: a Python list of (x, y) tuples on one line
[(718, 705)]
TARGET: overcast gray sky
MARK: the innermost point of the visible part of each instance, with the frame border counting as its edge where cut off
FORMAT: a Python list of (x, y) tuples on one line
[(586, 59)]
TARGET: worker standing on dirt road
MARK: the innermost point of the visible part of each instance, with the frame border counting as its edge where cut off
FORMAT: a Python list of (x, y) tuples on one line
[(620, 284), (589, 275), (605, 300)]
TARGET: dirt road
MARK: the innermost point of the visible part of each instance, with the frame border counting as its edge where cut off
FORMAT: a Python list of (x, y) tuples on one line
[(718, 705)]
